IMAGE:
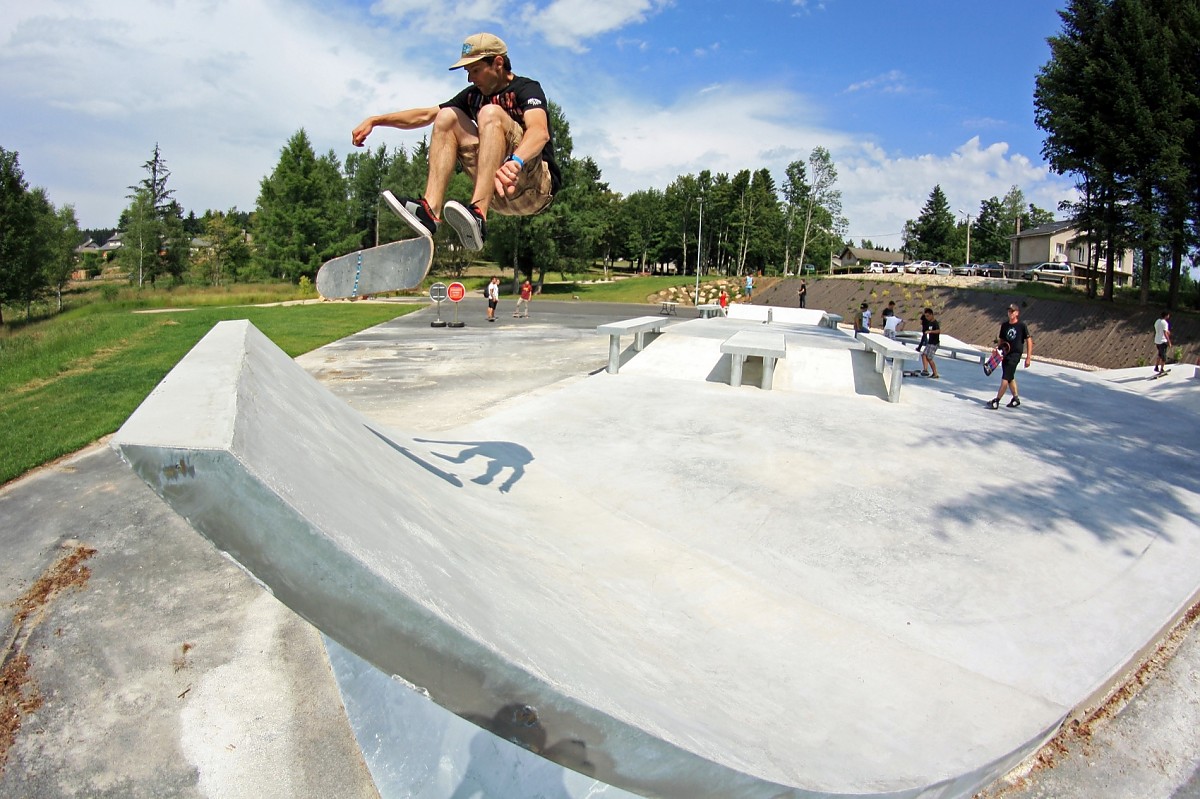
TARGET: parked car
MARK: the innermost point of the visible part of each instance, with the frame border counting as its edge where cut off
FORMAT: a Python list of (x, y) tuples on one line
[(876, 268), (942, 268), (967, 270), (895, 267), (1060, 273), (994, 269)]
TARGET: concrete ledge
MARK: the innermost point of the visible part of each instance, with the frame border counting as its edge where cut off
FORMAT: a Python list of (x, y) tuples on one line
[(757, 344), (887, 349), (638, 326)]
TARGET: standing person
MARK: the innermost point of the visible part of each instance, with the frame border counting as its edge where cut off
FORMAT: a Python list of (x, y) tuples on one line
[(523, 298), (891, 324), (931, 336), (498, 129), (803, 294), (723, 301), (862, 320), (1162, 340), (749, 285), (1013, 338), (493, 298)]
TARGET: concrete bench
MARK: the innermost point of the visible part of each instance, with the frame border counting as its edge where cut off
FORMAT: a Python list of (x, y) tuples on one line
[(669, 307), (890, 349), (639, 327), (952, 347), (754, 343), (831, 320), (708, 310)]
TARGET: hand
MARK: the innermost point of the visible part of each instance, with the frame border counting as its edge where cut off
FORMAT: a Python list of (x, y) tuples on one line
[(359, 134), (1026, 361), (506, 178)]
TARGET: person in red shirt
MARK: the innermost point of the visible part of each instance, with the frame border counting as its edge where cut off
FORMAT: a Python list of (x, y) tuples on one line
[(523, 298)]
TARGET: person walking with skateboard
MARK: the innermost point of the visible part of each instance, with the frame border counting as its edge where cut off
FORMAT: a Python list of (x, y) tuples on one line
[(498, 129), (1162, 340), (1014, 337)]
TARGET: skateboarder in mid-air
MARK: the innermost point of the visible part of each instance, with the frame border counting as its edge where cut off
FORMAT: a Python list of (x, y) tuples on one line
[(498, 128)]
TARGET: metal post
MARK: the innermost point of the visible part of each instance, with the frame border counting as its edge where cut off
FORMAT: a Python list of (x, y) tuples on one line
[(961, 211), (699, 248)]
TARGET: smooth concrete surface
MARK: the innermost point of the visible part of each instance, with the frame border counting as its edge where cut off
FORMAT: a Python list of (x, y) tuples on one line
[(740, 592), (169, 672), (118, 718)]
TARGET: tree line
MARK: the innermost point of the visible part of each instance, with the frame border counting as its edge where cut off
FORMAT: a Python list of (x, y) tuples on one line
[(1119, 101)]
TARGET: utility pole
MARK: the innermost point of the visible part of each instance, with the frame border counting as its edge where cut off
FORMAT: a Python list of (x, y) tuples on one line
[(961, 211), (699, 249)]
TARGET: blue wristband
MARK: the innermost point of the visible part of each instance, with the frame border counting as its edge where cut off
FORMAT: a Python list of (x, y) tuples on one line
[(517, 158)]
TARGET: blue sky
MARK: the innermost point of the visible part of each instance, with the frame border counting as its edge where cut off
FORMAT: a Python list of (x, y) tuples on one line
[(905, 95)]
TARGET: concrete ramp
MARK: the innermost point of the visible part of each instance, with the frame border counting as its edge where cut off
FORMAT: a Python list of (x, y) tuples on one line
[(600, 576)]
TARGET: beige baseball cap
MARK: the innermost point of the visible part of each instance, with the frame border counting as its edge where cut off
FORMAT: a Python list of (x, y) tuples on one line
[(480, 45)]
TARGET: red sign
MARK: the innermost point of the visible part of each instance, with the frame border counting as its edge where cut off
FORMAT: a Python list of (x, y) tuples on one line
[(455, 292)]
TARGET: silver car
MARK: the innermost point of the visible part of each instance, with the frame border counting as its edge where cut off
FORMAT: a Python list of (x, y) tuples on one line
[(1058, 273)]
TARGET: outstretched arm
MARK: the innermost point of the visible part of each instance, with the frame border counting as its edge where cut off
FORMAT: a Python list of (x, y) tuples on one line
[(404, 120)]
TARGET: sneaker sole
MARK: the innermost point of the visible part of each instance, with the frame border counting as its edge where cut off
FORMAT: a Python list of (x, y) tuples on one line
[(458, 216), (405, 214)]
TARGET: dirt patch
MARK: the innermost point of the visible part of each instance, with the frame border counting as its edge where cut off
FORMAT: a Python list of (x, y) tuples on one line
[(1077, 732), (19, 695)]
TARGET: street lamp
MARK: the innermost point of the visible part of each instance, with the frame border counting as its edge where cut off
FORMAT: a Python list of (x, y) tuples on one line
[(968, 216), (699, 247)]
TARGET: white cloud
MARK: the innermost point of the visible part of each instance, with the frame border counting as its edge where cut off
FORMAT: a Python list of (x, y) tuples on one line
[(220, 86), (890, 82), (724, 128), (568, 23)]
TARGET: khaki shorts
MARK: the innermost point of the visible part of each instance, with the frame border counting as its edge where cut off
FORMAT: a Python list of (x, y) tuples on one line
[(533, 184)]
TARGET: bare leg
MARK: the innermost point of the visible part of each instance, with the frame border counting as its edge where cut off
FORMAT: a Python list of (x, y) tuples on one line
[(494, 123), (451, 130)]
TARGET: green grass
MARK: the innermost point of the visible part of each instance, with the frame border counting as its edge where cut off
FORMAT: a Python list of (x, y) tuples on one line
[(76, 377)]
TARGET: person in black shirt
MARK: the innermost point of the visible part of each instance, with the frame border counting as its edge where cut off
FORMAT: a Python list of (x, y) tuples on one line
[(1014, 337), (498, 128), (931, 337)]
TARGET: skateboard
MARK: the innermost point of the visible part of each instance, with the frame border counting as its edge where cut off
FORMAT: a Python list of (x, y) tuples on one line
[(995, 359), (914, 374), (389, 267), (1163, 373)]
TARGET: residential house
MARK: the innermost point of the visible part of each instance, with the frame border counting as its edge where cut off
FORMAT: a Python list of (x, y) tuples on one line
[(1062, 242), (858, 256)]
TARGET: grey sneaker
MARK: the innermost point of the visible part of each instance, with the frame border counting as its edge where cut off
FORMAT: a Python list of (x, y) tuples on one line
[(415, 213), (468, 223)]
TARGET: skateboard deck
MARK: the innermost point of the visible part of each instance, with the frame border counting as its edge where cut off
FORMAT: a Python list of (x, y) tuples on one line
[(993, 361), (1163, 373), (389, 267)]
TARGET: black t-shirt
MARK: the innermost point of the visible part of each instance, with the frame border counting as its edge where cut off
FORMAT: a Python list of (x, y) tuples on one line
[(931, 328), (1015, 336), (519, 96)]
